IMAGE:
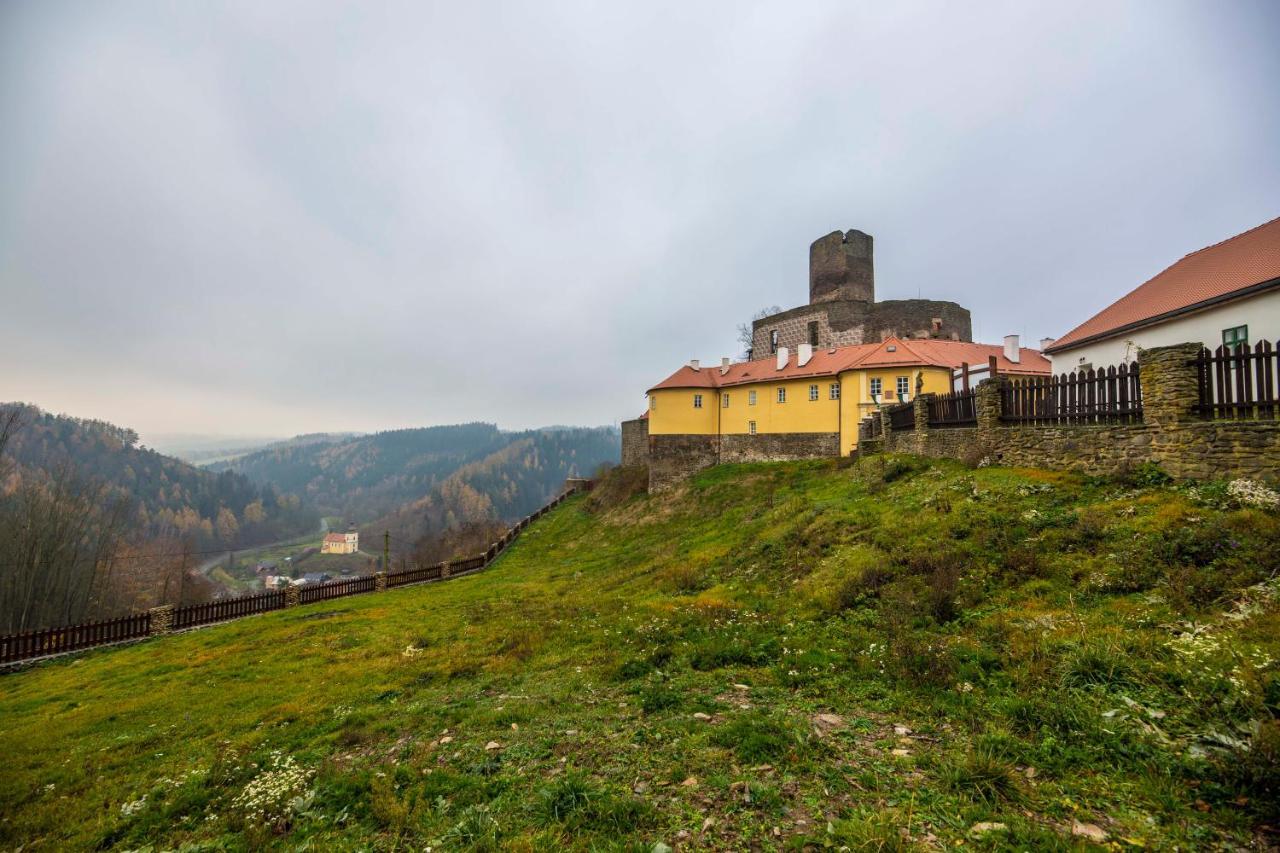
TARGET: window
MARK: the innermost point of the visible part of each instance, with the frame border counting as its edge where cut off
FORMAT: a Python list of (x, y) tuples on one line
[(773, 341), (835, 390), (697, 401), (751, 398), (813, 333), (904, 386), (724, 400), (1235, 337), (875, 386), (813, 393), (751, 425), (653, 403), (782, 395)]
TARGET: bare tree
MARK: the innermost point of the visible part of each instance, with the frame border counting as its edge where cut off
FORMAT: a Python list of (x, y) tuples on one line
[(745, 329)]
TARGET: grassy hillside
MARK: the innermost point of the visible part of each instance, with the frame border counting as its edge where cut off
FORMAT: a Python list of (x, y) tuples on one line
[(895, 655)]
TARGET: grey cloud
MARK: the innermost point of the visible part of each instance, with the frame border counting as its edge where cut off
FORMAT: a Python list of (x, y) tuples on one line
[(298, 216)]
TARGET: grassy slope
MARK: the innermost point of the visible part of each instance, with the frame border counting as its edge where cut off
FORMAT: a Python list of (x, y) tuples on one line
[(1020, 624)]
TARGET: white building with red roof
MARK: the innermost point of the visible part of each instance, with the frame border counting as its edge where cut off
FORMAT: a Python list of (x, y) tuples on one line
[(341, 543), (1227, 293)]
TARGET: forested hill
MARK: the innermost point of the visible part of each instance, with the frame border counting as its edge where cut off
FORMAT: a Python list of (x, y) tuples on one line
[(503, 486), (371, 476), (168, 496)]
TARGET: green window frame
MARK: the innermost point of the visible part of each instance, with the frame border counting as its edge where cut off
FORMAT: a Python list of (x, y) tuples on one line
[(1235, 336)]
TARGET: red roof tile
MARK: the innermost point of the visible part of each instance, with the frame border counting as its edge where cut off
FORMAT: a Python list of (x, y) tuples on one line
[(893, 352), (1213, 274), (336, 538)]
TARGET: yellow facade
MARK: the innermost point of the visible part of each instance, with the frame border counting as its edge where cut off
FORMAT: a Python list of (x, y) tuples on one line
[(672, 410)]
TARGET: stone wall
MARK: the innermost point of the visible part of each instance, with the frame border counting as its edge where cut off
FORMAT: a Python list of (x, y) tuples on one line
[(1171, 435), (778, 447), (635, 442), (673, 458), (847, 323)]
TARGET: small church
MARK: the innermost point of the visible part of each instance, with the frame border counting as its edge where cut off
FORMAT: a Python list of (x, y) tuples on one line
[(341, 543)]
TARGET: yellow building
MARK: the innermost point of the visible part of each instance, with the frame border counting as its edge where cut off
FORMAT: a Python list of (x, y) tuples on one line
[(809, 403)]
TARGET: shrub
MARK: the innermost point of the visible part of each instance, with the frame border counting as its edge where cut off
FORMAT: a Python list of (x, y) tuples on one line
[(1254, 770), (721, 650), (864, 584), (756, 738), (562, 799), (1095, 665), (981, 775), (658, 697), (476, 829), (682, 578)]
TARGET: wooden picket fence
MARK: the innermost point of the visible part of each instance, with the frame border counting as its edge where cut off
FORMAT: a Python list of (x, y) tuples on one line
[(1111, 395), (191, 615), (959, 408), (1237, 383), (52, 641)]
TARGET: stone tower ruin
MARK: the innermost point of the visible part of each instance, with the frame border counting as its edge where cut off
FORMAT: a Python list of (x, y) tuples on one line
[(842, 307)]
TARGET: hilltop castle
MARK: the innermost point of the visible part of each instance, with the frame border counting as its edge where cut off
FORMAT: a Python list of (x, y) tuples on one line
[(814, 374), (842, 307)]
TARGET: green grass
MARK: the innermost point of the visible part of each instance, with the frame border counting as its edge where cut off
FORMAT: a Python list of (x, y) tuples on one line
[(876, 657)]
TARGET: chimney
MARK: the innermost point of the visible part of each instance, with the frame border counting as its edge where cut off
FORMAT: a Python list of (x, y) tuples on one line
[(1045, 343), (803, 354), (1011, 351), (783, 355), (693, 362), (724, 366)]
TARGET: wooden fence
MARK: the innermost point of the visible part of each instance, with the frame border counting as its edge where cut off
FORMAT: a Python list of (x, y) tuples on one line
[(1238, 383), (1111, 395), (902, 416), (52, 641), (312, 593), (959, 408), (191, 615)]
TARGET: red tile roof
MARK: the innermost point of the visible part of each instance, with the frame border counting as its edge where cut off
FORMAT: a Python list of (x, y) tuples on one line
[(1216, 273), (893, 352), (335, 538)]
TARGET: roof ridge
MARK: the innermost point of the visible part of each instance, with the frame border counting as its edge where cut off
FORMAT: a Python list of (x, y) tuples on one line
[(1227, 240)]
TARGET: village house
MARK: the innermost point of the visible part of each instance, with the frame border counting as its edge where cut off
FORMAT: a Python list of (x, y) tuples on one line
[(1227, 294), (341, 543)]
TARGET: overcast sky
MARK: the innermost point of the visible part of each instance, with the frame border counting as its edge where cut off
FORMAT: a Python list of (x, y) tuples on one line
[(281, 217)]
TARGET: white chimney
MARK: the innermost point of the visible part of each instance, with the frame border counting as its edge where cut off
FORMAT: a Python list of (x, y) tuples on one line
[(1011, 351), (1045, 343), (803, 354), (783, 355), (693, 362), (724, 366)]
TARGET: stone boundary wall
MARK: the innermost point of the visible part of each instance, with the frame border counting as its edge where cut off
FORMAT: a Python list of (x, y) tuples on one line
[(1170, 434), (673, 458), (635, 442)]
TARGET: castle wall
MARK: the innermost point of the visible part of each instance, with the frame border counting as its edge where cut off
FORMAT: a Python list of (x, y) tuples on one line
[(846, 323), (635, 442)]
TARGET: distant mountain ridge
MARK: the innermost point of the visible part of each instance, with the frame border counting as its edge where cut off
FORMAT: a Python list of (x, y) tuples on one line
[(168, 496), (383, 475)]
